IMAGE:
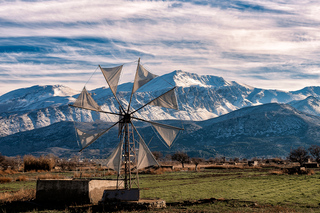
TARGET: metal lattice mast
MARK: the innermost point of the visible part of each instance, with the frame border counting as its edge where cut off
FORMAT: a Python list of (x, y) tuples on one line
[(129, 153)]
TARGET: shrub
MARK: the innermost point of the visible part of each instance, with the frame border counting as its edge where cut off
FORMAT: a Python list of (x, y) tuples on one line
[(50, 176), (155, 171), (5, 179), (82, 175), (21, 195), (22, 178), (276, 172), (42, 163), (7, 163), (68, 165)]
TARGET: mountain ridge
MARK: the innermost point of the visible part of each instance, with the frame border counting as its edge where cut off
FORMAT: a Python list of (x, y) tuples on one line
[(200, 97), (269, 130)]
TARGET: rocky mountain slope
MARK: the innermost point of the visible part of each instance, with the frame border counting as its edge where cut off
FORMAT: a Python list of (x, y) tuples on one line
[(200, 97), (268, 130)]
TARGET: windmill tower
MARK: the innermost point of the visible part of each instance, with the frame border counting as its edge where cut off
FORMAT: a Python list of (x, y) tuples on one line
[(125, 153)]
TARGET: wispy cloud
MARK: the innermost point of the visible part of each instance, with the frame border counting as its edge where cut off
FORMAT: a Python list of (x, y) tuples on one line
[(263, 43)]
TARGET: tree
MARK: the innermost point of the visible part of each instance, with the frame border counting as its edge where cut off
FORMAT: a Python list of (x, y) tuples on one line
[(158, 155), (299, 155), (180, 157), (196, 162), (236, 160), (2, 160), (7, 162), (315, 152)]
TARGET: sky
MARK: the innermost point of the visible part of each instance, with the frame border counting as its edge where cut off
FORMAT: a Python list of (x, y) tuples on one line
[(271, 44)]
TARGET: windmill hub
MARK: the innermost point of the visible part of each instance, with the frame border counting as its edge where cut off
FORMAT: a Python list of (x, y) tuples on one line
[(126, 118)]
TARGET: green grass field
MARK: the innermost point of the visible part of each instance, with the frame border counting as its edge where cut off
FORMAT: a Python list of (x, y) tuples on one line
[(234, 190)]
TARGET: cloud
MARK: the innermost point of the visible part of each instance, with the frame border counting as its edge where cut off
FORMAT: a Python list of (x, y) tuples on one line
[(269, 43)]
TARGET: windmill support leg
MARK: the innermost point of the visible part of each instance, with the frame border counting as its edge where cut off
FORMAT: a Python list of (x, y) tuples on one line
[(126, 158)]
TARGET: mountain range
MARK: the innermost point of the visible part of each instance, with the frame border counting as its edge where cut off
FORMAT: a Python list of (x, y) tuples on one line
[(220, 117)]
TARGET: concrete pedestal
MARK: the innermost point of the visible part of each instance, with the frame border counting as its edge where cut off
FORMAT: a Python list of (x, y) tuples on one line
[(73, 191), (121, 194)]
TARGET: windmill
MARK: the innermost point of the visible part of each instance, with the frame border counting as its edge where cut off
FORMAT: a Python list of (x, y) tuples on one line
[(125, 152)]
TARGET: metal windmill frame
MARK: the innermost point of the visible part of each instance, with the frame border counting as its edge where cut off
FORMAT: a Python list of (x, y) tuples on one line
[(126, 116)]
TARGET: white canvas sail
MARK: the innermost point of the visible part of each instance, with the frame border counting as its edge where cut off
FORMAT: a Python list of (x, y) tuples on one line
[(167, 100), (145, 157), (85, 101), (112, 76), (142, 77), (167, 134), (85, 137), (115, 159)]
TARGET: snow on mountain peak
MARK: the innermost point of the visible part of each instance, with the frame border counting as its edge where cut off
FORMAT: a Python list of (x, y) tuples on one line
[(36, 97), (61, 90), (310, 105), (186, 79)]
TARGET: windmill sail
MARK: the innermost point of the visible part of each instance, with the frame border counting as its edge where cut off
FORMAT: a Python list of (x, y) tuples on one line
[(115, 159), (167, 134), (86, 137), (112, 76), (167, 100), (145, 157), (142, 77), (85, 101)]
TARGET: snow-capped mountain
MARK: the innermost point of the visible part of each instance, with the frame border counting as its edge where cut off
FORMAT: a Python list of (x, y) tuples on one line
[(200, 97), (269, 130), (309, 105), (36, 97)]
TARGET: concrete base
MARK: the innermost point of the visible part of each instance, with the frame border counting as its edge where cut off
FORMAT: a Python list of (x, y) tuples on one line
[(73, 191), (143, 204), (121, 194)]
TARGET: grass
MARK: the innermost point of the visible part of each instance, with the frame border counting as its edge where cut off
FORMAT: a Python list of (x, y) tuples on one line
[(294, 190), (17, 185), (234, 190)]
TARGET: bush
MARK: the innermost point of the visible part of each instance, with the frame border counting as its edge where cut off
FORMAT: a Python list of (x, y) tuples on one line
[(155, 171), (36, 164), (5, 179), (298, 171), (276, 172), (50, 176), (68, 165), (7, 163), (22, 178), (21, 195)]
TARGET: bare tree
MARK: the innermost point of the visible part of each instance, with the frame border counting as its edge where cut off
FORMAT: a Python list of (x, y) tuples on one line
[(196, 162), (236, 160), (158, 155), (299, 155), (315, 152), (180, 157), (7, 162)]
